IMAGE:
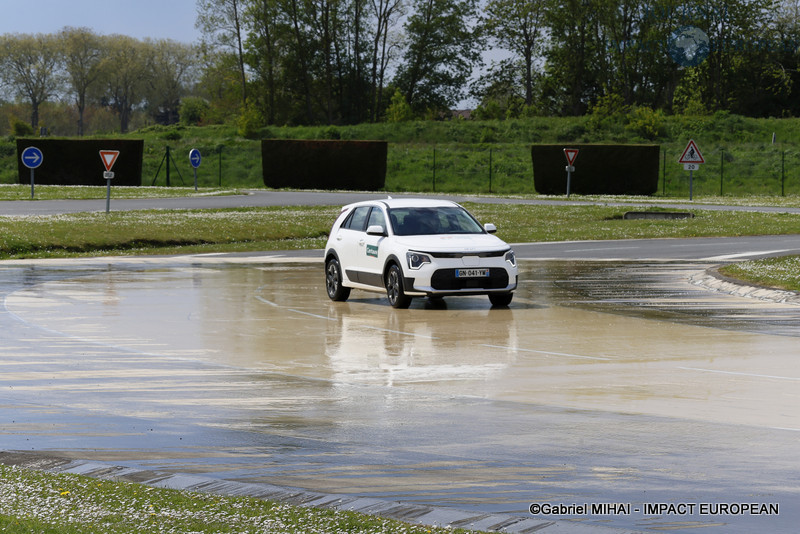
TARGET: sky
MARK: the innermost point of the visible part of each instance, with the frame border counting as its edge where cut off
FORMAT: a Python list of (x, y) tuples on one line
[(157, 19)]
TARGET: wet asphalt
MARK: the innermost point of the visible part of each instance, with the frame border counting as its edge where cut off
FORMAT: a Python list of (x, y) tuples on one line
[(617, 392)]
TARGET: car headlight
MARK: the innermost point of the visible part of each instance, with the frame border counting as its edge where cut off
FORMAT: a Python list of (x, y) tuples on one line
[(511, 258), (417, 260)]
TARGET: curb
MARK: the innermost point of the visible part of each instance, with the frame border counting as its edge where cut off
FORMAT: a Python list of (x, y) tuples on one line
[(712, 280), (407, 512)]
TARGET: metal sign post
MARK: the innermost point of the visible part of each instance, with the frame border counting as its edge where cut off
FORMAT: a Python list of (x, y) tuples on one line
[(109, 157), (32, 157), (691, 159), (195, 158), (570, 154)]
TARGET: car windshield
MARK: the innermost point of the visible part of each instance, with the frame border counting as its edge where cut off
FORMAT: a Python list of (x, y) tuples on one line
[(436, 220)]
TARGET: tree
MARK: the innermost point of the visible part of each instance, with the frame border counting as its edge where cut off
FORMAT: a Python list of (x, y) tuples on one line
[(442, 51), (263, 45), (29, 65), (575, 64), (518, 26), (399, 110), (636, 35), (221, 23), (171, 69), (385, 13), (124, 76), (81, 51)]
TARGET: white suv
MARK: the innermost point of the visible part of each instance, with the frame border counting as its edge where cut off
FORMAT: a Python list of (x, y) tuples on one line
[(414, 247)]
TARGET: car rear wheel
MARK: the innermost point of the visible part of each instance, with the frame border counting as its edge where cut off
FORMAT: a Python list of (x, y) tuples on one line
[(394, 288), (333, 281), (500, 299)]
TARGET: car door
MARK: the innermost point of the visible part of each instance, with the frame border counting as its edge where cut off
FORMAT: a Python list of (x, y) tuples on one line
[(369, 256), (351, 233)]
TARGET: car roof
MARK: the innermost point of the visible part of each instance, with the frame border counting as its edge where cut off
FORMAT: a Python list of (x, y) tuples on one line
[(404, 203)]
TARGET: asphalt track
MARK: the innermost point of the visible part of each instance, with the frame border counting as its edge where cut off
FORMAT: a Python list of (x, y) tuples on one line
[(617, 380), (261, 198)]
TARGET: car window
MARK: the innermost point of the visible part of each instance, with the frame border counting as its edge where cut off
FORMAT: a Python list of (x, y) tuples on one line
[(376, 218), (357, 219), (438, 220)]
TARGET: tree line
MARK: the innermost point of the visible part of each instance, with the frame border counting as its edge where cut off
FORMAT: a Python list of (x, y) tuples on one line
[(348, 61), (274, 62), (84, 69)]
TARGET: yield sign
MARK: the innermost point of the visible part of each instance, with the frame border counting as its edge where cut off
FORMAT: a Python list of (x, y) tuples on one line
[(571, 154), (109, 157), (691, 154)]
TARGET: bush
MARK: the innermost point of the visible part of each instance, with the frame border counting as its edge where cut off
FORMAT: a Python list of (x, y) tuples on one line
[(20, 128), (399, 110), (193, 110), (250, 122), (646, 122)]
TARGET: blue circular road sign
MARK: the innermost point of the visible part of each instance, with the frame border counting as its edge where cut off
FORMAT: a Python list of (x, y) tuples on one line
[(32, 157), (195, 157)]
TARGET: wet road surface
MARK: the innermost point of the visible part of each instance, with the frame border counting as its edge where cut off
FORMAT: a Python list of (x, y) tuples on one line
[(602, 383)]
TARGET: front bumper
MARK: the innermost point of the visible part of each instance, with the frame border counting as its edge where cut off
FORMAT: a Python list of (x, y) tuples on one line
[(441, 280)]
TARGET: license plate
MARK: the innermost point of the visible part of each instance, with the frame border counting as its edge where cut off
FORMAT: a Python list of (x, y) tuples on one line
[(472, 273)]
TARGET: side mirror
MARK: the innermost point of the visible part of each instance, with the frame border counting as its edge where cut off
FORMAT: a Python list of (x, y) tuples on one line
[(376, 229), (490, 228)]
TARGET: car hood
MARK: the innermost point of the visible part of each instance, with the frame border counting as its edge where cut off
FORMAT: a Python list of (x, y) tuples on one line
[(452, 243)]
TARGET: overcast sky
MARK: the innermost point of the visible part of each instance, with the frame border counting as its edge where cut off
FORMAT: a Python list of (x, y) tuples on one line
[(158, 19)]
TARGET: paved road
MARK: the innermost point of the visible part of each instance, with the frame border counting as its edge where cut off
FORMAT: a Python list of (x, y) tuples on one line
[(257, 198)]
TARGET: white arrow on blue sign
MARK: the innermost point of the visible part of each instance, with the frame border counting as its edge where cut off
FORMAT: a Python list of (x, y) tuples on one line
[(195, 157), (32, 157)]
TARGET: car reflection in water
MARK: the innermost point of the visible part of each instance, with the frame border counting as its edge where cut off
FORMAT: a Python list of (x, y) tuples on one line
[(382, 346)]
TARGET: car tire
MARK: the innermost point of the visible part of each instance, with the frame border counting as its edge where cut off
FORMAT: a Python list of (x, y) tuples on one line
[(394, 288), (333, 281), (500, 299)]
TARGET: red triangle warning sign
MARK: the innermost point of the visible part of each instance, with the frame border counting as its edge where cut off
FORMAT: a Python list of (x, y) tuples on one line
[(109, 157), (691, 154), (571, 154)]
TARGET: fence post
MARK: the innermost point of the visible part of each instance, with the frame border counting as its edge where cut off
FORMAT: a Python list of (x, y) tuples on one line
[(434, 169), (168, 158), (783, 167), (721, 169), (490, 170), (220, 165), (664, 173)]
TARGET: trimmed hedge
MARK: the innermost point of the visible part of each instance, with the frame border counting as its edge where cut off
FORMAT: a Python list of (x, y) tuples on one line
[(77, 161), (599, 169), (316, 164)]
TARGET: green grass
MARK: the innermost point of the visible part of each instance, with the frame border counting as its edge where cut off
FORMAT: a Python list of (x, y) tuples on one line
[(68, 192), (780, 273), (287, 228), (165, 232), (42, 502)]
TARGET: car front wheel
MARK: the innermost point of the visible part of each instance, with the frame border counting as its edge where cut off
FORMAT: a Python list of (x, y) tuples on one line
[(500, 299), (333, 281), (394, 288)]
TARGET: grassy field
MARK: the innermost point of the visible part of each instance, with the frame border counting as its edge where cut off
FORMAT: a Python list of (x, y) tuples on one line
[(286, 228), (780, 273), (47, 503), (68, 192)]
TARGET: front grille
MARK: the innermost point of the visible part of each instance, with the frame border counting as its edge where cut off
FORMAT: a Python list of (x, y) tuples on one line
[(445, 280), (459, 255)]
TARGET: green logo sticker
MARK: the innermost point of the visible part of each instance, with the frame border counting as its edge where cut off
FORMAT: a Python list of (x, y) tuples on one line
[(372, 250)]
